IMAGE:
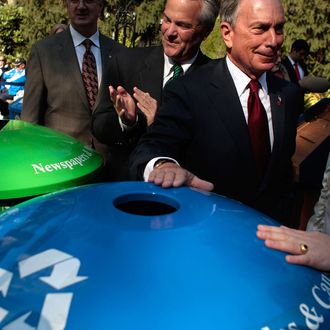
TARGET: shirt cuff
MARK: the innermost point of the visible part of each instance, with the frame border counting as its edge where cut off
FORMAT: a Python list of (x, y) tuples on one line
[(151, 164), (126, 128)]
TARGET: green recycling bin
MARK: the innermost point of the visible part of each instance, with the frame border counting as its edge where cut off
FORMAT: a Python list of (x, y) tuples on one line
[(35, 160)]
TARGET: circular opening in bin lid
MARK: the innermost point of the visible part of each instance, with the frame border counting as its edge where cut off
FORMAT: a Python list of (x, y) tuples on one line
[(146, 204)]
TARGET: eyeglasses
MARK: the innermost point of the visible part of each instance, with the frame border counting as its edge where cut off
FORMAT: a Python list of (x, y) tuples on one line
[(2, 59)]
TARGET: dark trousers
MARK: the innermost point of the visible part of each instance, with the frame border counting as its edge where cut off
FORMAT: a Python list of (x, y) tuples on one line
[(4, 96)]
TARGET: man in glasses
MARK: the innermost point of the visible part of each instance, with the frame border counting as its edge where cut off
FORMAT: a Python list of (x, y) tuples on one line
[(67, 75)]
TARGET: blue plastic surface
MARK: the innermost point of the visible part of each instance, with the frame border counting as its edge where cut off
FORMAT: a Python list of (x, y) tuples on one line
[(75, 260)]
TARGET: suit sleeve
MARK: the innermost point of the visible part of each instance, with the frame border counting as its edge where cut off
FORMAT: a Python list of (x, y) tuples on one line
[(35, 93), (170, 133), (105, 123)]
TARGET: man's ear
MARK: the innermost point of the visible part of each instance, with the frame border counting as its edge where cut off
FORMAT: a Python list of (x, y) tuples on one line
[(227, 33)]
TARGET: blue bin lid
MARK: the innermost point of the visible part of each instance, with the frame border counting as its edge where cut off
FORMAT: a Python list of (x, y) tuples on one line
[(131, 255)]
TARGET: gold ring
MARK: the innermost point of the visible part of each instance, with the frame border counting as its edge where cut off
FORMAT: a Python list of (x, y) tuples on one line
[(303, 248)]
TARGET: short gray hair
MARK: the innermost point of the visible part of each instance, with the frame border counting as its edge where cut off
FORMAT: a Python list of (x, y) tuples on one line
[(209, 13), (228, 11)]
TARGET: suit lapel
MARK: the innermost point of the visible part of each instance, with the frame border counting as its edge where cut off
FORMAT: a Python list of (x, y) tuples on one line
[(277, 104), (200, 60), (222, 91), (151, 74), (152, 71), (291, 72), (106, 55)]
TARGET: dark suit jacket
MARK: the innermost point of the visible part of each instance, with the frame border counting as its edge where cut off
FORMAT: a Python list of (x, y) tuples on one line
[(55, 95), (201, 124), (291, 71), (143, 68)]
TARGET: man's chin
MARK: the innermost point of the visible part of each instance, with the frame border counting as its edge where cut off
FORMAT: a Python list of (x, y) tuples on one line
[(266, 66), (170, 52), (82, 20)]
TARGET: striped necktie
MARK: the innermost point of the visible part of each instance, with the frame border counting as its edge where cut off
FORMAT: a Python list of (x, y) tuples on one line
[(89, 74), (177, 72)]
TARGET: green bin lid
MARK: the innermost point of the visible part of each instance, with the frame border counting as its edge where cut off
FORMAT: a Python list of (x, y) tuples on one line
[(35, 160)]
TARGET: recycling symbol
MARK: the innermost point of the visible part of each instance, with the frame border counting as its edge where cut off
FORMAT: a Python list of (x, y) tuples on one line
[(56, 306)]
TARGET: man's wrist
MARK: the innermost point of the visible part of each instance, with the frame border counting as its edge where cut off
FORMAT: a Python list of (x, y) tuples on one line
[(151, 165), (161, 162), (125, 126)]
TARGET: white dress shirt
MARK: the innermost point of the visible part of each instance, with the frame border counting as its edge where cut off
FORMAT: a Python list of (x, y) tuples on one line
[(168, 73), (168, 67), (241, 81), (80, 49)]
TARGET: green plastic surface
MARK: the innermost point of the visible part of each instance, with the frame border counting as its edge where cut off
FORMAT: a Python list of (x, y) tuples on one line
[(36, 160)]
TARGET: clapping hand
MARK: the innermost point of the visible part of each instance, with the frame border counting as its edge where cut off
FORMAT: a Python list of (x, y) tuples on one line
[(146, 104), (124, 105)]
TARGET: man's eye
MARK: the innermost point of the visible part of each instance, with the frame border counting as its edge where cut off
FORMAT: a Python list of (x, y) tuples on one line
[(184, 26)]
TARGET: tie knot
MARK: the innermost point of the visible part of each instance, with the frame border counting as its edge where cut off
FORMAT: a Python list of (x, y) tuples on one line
[(88, 44), (254, 85), (177, 70)]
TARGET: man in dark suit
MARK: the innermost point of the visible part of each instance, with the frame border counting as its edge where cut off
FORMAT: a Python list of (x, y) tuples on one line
[(55, 94), (201, 136), (143, 72), (295, 61)]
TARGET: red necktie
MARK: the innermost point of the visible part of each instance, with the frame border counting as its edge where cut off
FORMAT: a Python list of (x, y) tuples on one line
[(297, 71), (258, 129), (89, 73)]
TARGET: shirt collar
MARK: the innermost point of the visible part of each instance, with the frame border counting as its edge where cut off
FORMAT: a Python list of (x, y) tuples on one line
[(169, 64), (291, 60), (241, 80), (79, 38)]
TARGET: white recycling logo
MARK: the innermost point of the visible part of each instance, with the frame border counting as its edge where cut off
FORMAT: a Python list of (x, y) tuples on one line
[(56, 307)]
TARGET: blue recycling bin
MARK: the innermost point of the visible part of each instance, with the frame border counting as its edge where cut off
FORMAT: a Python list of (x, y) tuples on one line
[(133, 256)]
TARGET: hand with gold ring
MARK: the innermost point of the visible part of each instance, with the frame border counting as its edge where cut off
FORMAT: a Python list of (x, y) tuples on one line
[(305, 248)]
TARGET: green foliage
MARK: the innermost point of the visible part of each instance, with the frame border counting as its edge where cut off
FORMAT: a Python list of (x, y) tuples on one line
[(310, 20), (11, 39), (39, 16), (139, 23), (31, 20), (213, 46), (149, 14), (109, 20)]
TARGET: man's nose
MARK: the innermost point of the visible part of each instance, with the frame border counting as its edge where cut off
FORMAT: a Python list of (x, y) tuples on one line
[(272, 38), (171, 30)]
